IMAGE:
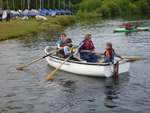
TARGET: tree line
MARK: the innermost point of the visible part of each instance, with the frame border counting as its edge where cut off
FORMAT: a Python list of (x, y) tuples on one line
[(103, 8), (114, 8), (37, 4)]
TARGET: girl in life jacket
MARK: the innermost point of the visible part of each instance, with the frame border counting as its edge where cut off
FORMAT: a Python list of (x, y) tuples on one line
[(109, 54)]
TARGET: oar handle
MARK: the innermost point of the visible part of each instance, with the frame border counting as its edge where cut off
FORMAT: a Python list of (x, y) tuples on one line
[(47, 55), (50, 53)]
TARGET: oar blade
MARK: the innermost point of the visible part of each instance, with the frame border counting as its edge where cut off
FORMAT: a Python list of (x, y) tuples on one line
[(134, 59), (20, 67), (49, 78), (50, 75)]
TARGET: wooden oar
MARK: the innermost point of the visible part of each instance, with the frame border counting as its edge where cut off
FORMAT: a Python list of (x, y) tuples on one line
[(132, 58), (21, 67), (51, 74)]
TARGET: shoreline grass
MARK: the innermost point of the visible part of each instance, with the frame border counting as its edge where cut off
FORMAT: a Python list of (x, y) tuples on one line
[(20, 28)]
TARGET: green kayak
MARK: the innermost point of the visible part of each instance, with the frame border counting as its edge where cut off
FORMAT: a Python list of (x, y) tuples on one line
[(138, 29)]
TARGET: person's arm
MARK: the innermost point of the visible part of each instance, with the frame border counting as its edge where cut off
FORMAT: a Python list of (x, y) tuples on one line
[(93, 47), (59, 45), (78, 48), (66, 51), (117, 55)]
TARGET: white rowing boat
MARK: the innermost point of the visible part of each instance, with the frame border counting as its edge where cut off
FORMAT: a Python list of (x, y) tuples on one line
[(84, 68)]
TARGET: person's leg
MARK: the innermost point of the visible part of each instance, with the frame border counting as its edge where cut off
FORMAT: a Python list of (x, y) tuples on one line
[(84, 56), (93, 58)]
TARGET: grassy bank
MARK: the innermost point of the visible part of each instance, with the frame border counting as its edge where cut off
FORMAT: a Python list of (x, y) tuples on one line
[(18, 28)]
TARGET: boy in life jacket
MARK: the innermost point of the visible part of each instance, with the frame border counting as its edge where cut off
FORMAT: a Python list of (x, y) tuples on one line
[(109, 54), (87, 49), (61, 42), (68, 50)]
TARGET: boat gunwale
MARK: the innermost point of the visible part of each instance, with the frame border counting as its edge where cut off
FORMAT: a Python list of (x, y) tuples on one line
[(77, 62)]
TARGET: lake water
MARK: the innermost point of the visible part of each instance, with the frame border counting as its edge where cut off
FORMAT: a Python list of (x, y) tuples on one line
[(27, 92)]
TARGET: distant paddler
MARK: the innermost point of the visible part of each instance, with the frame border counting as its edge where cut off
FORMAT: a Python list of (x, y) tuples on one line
[(127, 26)]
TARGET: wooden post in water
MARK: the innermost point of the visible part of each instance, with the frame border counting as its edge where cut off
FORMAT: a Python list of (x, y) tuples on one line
[(116, 71)]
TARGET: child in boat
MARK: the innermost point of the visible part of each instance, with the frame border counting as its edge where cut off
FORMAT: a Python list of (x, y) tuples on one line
[(109, 54), (61, 42), (68, 50), (65, 51)]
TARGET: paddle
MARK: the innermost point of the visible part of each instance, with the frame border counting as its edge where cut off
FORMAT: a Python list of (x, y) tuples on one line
[(21, 67), (132, 58), (51, 74), (129, 59)]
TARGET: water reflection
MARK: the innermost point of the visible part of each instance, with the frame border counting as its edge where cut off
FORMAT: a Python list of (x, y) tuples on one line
[(112, 89)]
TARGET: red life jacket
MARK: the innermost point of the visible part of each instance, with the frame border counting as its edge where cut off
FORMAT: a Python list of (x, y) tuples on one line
[(87, 45), (127, 26), (109, 54)]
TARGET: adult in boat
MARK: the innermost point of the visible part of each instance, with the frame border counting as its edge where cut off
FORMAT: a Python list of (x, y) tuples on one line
[(61, 42), (109, 54), (87, 49)]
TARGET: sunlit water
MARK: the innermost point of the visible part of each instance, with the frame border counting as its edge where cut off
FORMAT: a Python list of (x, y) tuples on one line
[(27, 92)]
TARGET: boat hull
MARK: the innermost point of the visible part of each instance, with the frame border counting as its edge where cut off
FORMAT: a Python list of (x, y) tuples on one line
[(87, 69)]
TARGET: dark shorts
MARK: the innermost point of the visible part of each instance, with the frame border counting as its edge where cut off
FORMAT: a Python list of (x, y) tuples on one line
[(89, 57)]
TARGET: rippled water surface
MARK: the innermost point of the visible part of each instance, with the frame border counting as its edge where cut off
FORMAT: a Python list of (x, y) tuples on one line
[(27, 92)]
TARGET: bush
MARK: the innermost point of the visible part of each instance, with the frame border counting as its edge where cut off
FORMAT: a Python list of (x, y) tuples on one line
[(133, 9), (87, 15), (110, 9), (115, 8), (143, 6), (89, 5)]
